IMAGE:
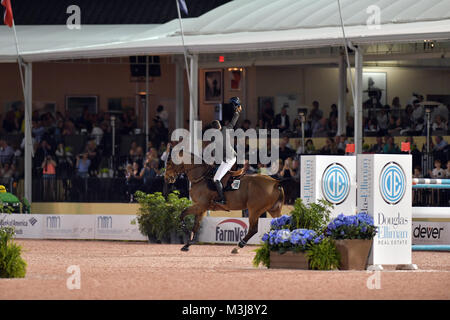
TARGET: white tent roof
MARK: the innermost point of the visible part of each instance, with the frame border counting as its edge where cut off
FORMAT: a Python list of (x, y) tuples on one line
[(240, 25)]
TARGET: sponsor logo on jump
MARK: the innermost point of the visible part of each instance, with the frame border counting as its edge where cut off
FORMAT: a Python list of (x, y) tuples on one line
[(104, 222), (231, 230), (391, 230), (392, 183), (33, 221), (53, 222), (424, 232), (336, 183)]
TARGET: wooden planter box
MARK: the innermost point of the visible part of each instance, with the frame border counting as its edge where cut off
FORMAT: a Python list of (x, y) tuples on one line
[(288, 260), (354, 253)]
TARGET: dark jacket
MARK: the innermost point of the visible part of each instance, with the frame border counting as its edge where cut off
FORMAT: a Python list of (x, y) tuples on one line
[(227, 140), (278, 121)]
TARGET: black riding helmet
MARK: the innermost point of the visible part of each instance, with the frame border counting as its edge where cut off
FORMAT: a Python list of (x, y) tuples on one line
[(236, 102)]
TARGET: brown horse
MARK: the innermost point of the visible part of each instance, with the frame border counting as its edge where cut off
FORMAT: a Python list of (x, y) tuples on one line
[(257, 193)]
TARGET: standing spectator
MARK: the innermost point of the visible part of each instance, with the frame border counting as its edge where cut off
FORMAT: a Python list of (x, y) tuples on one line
[(267, 115), (64, 161), (333, 112), (97, 133), (83, 165), (6, 152), (10, 123), (163, 116), (316, 114), (282, 120), (396, 107)]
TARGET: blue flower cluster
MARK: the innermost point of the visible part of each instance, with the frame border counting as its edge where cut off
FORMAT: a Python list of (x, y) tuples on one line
[(287, 238), (358, 226), (281, 222)]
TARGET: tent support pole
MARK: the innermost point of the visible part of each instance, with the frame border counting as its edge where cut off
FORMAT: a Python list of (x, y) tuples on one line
[(179, 91), (342, 95), (193, 110), (28, 139), (358, 100)]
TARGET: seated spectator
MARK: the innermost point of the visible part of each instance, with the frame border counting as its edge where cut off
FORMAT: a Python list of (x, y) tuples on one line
[(288, 170), (93, 155), (418, 111), (282, 120), (417, 172), (38, 130), (6, 152), (246, 125), (438, 124), (447, 171), (285, 151), (419, 128), (83, 164), (438, 172), (297, 128), (329, 147), (390, 146), (320, 128), (6, 171), (332, 127), (394, 126), (383, 121), (440, 145)]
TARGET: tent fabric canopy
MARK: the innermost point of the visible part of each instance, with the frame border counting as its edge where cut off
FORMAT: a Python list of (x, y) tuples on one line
[(240, 25)]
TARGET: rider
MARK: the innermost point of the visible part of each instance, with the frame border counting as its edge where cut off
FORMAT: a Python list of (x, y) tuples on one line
[(228, 150)]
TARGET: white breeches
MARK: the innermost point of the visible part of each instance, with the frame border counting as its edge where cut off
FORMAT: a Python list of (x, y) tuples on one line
[(224, 168)]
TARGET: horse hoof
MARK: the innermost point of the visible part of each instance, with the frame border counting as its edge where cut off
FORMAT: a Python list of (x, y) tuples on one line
[(185, 248), (235, 251)]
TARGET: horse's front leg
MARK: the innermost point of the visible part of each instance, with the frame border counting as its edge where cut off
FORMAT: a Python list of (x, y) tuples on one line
[(192, 234)]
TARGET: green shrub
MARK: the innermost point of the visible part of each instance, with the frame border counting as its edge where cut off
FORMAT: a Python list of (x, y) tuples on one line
[(323, 256), (262, 256), (158, 217), (11, 263), (313, 216)]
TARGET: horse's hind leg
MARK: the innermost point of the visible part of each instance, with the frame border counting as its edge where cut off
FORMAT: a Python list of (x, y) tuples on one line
[(253, 229)]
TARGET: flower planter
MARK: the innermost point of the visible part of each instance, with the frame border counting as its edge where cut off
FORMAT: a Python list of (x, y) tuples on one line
[(354, 253), (288, 260)]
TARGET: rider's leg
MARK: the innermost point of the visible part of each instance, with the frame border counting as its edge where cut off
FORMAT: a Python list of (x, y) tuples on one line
[(221, 171)]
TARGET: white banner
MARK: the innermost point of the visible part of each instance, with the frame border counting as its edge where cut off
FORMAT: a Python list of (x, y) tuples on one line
[(384, 192), (332, 178), (230, 230), (427, 232), (117, 227), (26, 226), (68, 226)]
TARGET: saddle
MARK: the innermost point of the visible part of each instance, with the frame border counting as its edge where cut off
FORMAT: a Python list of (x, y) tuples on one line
[(230, 180)]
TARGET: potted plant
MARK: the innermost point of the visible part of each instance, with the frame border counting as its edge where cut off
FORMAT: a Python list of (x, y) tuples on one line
[(297, 241), (353, 236), (159, 218)]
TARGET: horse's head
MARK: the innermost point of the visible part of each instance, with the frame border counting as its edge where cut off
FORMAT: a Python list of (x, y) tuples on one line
[(172, 169)]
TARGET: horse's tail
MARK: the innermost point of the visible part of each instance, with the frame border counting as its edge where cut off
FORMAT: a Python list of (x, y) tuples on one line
[(276, 209)]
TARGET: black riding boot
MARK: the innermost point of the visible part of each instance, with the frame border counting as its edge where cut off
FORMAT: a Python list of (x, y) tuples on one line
[(220, 192)]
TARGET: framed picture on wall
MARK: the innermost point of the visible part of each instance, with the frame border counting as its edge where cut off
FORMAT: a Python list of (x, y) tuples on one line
[(374, 89), (76, 104), (213, 86), (235, 76)]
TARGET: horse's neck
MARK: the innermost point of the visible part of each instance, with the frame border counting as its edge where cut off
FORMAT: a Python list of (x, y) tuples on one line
[(195, 171)]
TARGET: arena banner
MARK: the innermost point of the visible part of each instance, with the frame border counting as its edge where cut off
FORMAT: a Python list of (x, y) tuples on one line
[(230, 230), (68, 226), (384, 192), (117, 227), (332, 178), (26, 226), (431, 232)]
